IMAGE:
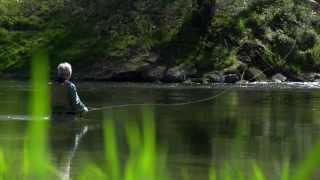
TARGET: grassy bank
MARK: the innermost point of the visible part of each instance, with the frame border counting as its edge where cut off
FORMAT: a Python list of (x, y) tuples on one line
[(275, 36)]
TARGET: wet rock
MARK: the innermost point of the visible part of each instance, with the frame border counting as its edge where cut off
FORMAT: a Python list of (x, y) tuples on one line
[(312, 77), (278, 78), (180, 73), (231, 78), (314, 4), (205, 80), (291, 76), (154, 73), (188, 82), (255, 74), (151, 58), (196, 80), (242, 82), (111, 70), (202, 80), (214, 77)]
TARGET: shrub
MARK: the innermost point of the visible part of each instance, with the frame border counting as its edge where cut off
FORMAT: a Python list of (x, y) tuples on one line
[(282, 44), (307, 39)]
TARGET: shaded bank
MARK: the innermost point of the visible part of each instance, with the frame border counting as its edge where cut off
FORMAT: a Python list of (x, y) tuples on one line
[(199, 41)]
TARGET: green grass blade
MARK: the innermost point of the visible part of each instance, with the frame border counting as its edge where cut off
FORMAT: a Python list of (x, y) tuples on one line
[(149, 140), (92, 172), (285, 171), (3, 166), (37, 132), (111, 148), (185, 174), (258, 174), (226, 172), (212, 173), (309, 166), (133, 137)]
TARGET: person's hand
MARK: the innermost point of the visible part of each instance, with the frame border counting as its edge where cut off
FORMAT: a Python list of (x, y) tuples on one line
[(85, 110)]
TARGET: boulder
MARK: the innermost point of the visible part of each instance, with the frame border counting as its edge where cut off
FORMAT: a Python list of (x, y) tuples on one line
[(196, 80), (231, 78), (315, 5), (205, 80), (242, 82), (255, 74), (278, 78), (151, 58), (155, 73), (214, 77), (292, 76), (180, 73), (188, 82), (202, 80), (312, 77)]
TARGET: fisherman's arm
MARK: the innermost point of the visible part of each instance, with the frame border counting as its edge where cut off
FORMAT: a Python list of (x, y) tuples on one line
[(76, 103)]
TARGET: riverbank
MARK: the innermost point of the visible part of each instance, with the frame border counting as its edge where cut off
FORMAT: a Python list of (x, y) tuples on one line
[(151, 70), (180, 42)]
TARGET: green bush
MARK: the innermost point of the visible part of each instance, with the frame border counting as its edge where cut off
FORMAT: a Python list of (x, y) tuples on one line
[(307, 39), (282, 44)]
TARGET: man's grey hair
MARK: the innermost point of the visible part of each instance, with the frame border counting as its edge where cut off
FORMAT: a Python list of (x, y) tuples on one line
[(64, 70)]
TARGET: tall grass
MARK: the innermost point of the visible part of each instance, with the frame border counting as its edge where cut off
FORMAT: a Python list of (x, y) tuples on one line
[(143, 161), (37, 155)]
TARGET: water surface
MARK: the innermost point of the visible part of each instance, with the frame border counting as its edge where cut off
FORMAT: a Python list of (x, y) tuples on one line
[(263, 123)]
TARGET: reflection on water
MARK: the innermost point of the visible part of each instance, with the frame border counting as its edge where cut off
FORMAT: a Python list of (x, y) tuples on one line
[(67, 137), (246, 123)]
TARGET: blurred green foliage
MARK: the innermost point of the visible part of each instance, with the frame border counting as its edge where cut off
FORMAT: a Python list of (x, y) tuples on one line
[(207, 33)]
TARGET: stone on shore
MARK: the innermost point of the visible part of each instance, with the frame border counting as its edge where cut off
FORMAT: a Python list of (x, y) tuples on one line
[(179, 73), (255, 74), (278, 78), (154, 73), (214, 77), (231, 78)]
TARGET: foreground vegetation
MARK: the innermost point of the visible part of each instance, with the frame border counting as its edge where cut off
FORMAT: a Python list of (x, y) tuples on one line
[(273, 35)]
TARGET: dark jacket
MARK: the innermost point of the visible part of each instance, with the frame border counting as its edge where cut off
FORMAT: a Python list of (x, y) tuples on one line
[(65, 99)]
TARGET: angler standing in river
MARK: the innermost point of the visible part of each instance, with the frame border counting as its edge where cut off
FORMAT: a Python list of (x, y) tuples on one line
[(65, 99)]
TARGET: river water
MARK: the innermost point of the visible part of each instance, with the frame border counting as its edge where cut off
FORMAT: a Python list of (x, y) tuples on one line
[(268, 124)]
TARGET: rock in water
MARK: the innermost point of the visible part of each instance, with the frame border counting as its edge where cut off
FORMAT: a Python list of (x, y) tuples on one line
[(254, 74), (312, 77), (278, 78), (215, 77), (231, 78), (154, 73), (180, 73)]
